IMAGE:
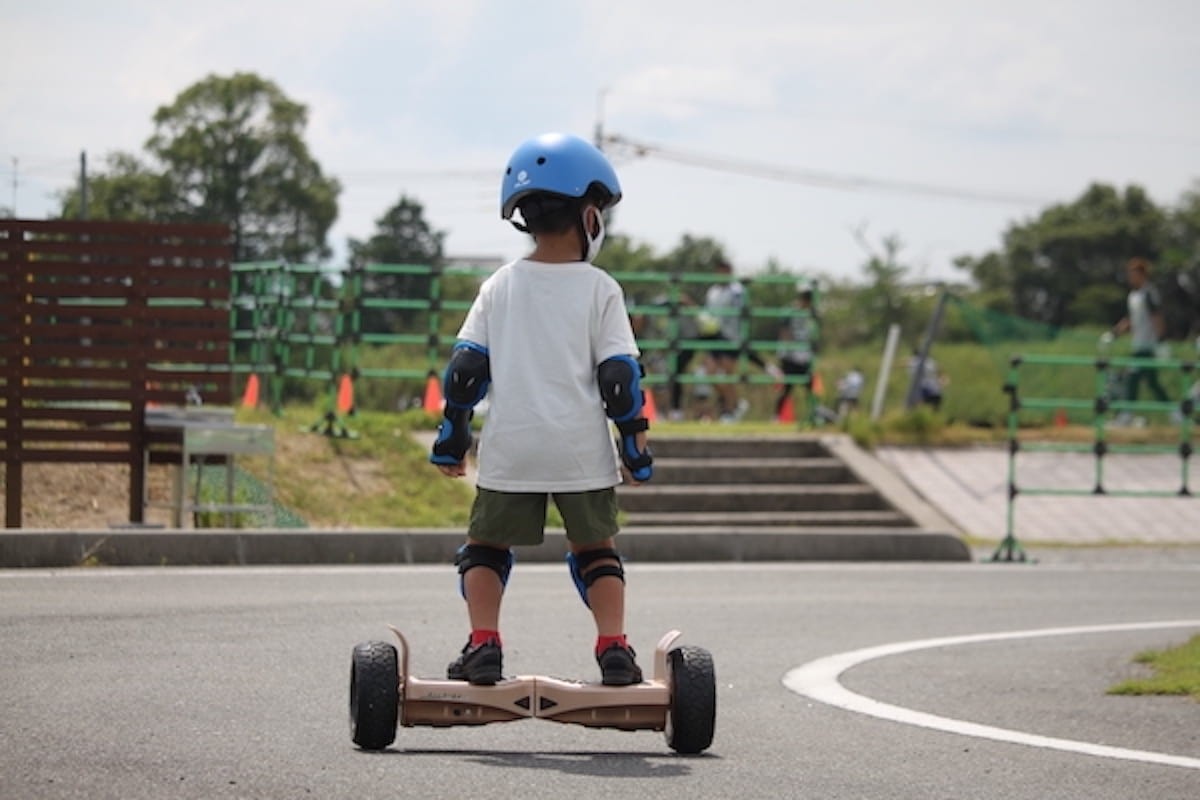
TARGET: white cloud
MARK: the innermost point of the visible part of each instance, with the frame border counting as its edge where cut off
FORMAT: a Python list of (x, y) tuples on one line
[(1029, 98)]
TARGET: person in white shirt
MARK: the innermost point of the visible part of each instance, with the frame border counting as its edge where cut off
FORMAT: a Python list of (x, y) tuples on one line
[(550, 337), (1145, 326)]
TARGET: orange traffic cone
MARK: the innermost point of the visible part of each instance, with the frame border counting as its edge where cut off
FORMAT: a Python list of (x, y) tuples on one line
[(787, 412), (345, 395), (250, 396), (649, 411), (818, 385), (1060, 418), (433, 394)]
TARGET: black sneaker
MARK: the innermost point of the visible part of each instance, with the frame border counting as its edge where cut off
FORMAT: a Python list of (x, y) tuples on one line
[(618, 667), (479, 665)]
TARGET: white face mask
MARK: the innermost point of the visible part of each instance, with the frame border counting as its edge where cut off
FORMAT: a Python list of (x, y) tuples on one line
[(593, 242)]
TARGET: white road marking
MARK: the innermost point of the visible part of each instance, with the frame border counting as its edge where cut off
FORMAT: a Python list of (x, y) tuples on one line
[(819, 681)]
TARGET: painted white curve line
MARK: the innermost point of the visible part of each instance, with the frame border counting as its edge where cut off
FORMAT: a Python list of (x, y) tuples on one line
[(819, 681)]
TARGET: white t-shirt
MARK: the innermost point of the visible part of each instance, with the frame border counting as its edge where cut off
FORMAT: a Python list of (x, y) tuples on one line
[(546, 328), (1144, 303), (725, 296)]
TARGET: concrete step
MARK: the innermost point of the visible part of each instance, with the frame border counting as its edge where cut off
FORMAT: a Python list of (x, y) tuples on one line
[(750, 470), (776, 520), (737, 447), (745, 497)]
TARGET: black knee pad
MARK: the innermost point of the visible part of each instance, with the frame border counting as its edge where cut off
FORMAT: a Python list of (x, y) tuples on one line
[(584, 574), (496, 559)]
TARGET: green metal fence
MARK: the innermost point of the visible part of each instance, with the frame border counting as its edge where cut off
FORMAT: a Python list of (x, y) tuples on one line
[(1107, 403), (395, 323)]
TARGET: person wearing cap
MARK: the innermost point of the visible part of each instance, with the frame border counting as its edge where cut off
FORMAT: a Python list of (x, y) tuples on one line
[(549, 336)]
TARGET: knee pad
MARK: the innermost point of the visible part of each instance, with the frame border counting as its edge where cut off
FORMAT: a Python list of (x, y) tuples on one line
[(496, 559), (584, 574), (465, 383)]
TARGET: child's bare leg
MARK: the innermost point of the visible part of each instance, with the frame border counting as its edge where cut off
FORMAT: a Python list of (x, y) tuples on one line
[(483, 591), (606, 595)]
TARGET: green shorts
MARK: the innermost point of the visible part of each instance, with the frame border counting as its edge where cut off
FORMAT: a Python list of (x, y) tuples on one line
[(519, 518)]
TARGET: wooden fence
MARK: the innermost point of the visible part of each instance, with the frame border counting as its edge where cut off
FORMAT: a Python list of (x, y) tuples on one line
[(99, 320)]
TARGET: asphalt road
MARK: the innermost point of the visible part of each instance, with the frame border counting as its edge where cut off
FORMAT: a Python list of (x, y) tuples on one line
[(223, 683)]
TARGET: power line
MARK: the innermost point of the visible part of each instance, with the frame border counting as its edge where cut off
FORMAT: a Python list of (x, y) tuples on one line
[(810, 177)]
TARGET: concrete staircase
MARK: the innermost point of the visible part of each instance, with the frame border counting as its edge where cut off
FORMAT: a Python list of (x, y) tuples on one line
[(818, 488)]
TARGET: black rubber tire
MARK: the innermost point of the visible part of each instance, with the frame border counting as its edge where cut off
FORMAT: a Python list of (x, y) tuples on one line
[(374, 695), (692, 715)]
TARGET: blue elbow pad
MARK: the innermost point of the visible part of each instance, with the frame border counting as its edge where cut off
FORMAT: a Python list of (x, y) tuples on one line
[(464, 384), (619, 379)]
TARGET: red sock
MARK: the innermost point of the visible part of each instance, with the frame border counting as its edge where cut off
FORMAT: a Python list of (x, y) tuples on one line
[(481, 636), (605, 642)]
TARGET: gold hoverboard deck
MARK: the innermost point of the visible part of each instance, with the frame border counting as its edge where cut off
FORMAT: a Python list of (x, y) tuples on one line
[(680, 700)]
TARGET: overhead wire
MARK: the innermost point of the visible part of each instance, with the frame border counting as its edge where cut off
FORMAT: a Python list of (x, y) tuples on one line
[(806, 176)]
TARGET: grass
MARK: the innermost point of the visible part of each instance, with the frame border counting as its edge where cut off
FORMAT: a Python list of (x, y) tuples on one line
[(381, 478), (1176, 672)]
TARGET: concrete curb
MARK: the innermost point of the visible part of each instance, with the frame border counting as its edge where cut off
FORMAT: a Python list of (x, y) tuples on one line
[(52, 549), (891, 486)]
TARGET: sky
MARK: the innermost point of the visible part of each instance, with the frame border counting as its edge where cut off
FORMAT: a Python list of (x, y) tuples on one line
[(811, 130)]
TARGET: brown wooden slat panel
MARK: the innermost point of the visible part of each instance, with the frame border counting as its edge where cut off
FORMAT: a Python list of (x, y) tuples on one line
[(179, 358), (87, 416), (104, 373), (215, 318), (42, 331), (76, 393), (211, 293), (74, 290), (82, 251), (217, 271), (32, 436), (99, 230), (76, 456), (42, 351)]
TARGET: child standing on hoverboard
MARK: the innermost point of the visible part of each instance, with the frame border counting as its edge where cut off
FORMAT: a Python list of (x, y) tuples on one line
[(551, 337)]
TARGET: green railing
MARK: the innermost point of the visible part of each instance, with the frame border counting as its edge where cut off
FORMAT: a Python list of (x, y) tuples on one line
[(298, 322), (1107, 399)]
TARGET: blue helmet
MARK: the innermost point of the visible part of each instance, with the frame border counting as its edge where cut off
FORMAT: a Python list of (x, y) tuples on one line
[(559, 163)]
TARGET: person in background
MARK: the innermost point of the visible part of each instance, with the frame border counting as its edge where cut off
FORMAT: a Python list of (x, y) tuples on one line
[(1145, 326), (801, 331), (930, 382), (850, 389), (721, 322)]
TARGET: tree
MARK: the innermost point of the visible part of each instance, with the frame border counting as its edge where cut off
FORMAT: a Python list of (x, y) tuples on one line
[(128, 190), (883, 301), (402, 237), (1047, 263), (226, 150), (1179, 277)]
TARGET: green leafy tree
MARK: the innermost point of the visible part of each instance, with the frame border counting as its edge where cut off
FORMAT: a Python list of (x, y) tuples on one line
[(1047, 263), (402, 237), (884, 299), (230, 150), (234, 150), (126, 190), (1180, 263)]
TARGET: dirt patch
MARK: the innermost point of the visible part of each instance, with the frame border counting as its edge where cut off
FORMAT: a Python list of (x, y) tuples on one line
[(85, 496)]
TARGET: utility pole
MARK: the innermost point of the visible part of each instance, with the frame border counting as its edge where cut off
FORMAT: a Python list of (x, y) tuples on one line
[(83, 185)]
